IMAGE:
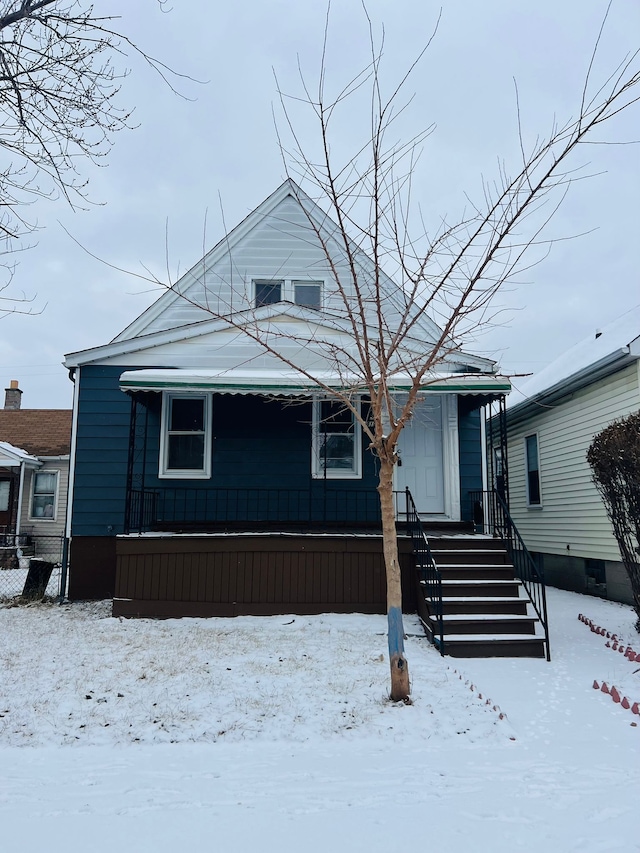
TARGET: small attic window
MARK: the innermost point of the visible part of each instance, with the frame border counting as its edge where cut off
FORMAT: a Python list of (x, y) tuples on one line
[(308, 293), (267, 291)]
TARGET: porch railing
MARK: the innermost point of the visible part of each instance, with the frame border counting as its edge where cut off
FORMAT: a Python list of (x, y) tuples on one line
[(490, 512), (429, 575), (193, 508)]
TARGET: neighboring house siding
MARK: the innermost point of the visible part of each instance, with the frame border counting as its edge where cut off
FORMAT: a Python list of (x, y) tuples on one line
[(46, 527), (571, 520)]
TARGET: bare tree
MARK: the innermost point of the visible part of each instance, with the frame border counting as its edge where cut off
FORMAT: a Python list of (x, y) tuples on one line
[(360, 211), (61, 67)]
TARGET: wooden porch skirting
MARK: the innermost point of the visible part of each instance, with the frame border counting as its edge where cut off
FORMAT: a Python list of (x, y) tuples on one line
[(230, 575)]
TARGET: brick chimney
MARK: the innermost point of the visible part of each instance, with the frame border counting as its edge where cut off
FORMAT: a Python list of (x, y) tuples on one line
[(12, 396)]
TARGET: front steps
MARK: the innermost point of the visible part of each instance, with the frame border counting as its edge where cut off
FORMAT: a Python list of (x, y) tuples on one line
[(486, 612)]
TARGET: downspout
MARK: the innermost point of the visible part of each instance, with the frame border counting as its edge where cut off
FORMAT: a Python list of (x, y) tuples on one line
[(74, 376), (19, 510)]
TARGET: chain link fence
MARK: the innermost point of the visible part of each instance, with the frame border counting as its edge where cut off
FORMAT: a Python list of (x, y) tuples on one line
[(31, 566)]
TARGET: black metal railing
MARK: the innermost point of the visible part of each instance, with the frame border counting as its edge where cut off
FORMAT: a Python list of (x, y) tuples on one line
[(491, 516), (200, 509), (429, 576)]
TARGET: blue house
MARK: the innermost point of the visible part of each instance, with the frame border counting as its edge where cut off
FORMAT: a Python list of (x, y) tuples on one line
[(214, 473)]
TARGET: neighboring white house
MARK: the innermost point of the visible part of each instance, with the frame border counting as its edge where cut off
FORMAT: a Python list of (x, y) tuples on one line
[(551, 421), (34, 468)]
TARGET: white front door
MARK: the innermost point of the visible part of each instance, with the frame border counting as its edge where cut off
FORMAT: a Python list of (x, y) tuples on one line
[(421, 452)]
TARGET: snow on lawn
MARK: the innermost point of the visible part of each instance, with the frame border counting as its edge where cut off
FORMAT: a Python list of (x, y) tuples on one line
[(232, 734)]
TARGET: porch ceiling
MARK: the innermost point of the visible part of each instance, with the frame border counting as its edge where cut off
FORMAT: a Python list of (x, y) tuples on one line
[(293, 383)]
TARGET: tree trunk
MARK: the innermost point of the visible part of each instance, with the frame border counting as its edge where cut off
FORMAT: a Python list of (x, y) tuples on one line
[(400, 687)]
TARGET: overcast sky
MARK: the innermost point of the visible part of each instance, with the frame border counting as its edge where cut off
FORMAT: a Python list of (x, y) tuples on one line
[(189, 158)]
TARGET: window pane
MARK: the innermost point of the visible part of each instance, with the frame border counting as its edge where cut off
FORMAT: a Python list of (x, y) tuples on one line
[(42, 506), (337, 452), (533, 475), (335, 417), (4, 495), (45, 484), (268, 292), (186, 452), (307, 294), (187, 415)]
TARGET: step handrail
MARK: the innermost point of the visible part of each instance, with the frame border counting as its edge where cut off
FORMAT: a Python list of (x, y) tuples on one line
[(429, 575), (497, 521)]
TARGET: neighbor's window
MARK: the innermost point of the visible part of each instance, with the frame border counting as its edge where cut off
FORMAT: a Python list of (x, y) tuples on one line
[(43, 498), (185, 444), (4, 495), (533, 470), (307, 293), (336, 441), (267, 292)]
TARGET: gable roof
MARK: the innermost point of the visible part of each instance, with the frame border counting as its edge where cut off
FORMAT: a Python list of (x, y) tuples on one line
[(425, 327), (39, 432), (595, 357)]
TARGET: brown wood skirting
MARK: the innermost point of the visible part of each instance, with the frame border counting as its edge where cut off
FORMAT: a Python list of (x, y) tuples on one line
[(92, 567), (257, 575)]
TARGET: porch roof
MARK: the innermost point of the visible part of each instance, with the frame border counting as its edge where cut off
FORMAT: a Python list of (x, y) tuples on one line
[(13, 457), (293, 383)]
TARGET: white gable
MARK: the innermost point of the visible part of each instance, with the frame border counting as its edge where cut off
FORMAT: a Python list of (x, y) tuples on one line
[(278, 241)]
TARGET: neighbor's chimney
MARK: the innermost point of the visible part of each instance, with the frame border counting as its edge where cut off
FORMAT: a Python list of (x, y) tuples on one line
[(12, 395)]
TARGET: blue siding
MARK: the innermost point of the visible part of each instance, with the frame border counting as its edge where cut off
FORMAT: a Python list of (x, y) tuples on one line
[(101, 453), (257, 444), (470, 438)]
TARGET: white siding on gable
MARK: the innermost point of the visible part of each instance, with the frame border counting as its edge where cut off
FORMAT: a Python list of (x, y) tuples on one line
[(282, 246), (571, 520)]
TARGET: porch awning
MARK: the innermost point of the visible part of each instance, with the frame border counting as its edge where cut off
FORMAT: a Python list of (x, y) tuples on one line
[(291, 383)]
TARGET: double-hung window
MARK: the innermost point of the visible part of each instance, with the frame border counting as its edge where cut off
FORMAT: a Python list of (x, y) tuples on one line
[(44, 495), (185, 440), (532, 461), (336, 442)]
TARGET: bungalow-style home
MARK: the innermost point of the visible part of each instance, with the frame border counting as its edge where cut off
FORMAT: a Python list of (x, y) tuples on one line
[(34, 469), (213, 472), (552, 419)]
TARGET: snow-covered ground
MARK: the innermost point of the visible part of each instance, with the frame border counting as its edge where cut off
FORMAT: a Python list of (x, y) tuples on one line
[(275, 734)]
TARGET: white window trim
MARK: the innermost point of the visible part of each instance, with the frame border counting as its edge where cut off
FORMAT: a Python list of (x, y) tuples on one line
[(317, 471), (526, 471), (44, 518), (190, 473)]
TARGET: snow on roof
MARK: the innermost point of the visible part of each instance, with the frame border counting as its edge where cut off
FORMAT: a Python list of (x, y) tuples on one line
[(615, 340), (10, 451)]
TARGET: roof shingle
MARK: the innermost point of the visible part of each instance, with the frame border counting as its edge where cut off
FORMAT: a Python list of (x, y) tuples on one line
[(41, 432)]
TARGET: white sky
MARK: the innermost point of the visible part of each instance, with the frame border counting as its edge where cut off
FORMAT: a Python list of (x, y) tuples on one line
[(187, 155)]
